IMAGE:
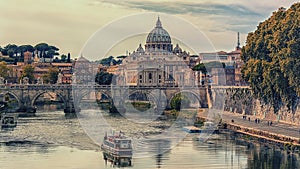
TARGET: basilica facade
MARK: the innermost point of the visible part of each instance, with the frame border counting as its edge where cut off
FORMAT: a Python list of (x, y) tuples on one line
[(158, 63)]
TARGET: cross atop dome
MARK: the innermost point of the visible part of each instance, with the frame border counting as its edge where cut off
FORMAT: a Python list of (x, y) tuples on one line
[(158, 23)]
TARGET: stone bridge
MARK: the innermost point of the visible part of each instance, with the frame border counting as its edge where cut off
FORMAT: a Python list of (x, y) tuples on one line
[(71, 95)]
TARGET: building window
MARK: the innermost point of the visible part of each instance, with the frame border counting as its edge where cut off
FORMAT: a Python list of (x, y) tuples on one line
[(150, 75), (159, 76), (141, 77)]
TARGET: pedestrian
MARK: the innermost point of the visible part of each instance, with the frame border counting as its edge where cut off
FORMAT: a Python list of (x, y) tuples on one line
[(271, 123), (258, 120), (248, 118)]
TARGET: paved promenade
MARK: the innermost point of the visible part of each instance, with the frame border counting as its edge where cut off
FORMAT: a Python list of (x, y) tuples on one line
[(276, 127)]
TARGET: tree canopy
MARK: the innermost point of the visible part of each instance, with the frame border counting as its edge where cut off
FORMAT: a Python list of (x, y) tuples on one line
[(103, 78), (4, 70), (51, 76), (108, 61), (179, 101), (200, 67), (28, 71), (272, 59), (207, 67), (46, 51), (16, 52)]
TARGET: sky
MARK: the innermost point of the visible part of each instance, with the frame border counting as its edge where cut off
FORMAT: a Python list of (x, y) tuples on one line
[(71, 24)]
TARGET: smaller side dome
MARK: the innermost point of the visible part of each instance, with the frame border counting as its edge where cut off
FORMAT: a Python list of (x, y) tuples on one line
[(140, 49), (177, 49)]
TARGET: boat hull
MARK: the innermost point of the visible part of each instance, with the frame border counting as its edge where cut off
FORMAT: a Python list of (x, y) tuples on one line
[(8, 121), (117, 160)]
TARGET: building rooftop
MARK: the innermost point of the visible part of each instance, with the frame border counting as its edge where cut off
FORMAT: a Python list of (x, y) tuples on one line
[(62, 64)]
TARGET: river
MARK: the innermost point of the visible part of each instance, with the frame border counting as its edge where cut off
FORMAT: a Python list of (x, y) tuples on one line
[(51, 141)]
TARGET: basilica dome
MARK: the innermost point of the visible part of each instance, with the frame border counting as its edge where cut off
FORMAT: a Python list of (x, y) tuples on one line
[(158, 39), (158, 34)]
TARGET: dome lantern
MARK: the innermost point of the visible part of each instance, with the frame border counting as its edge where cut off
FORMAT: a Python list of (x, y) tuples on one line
[(158, 23)]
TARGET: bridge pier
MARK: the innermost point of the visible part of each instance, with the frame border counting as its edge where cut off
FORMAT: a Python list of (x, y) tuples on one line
[(119, 94), (70, 109), (26, 110)]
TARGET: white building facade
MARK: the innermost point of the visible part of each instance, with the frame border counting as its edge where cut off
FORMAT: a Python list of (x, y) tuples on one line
[(157, 64)]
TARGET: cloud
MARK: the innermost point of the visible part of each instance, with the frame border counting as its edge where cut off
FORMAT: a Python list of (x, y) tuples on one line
[(226, 16), (187, 7)]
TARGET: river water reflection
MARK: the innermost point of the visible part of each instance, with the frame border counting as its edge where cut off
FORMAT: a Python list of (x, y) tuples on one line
[(221, 151)]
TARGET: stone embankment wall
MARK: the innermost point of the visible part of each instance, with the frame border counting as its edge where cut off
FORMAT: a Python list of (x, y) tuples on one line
[(241, 100), (276, 138)]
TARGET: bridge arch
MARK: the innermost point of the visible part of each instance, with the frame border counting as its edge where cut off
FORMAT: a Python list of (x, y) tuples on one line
[(43, 92), (14, 95), (148, 94), (196, 95), (156, 97), (83, 94), (79, 97)]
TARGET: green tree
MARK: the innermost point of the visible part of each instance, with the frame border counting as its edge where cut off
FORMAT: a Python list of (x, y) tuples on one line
[(200, 67), (51, 76), (272, 61), (41, 49), (46, 51), (121, 57), (51, 52), (10, 50), (20, 51), (207, 67), (28, 71), (63, 58), (179, 101), (4, 70), (103, 78), (108, 61)]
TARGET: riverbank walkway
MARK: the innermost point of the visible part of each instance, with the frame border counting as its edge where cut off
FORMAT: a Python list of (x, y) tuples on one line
[(276, 127)]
